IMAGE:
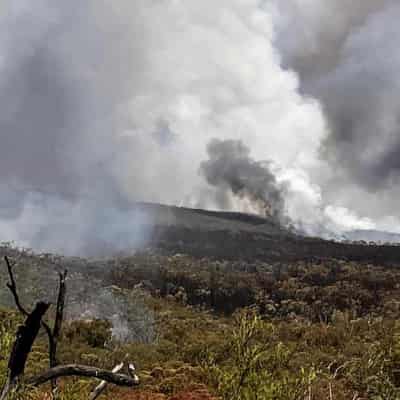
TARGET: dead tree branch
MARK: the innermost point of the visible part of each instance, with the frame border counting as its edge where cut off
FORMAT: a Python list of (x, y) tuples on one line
[(13, 288), (26, 335), (57, 326), (103, 384), (84, 371), (60, 305), (132, 373), (98, 390)]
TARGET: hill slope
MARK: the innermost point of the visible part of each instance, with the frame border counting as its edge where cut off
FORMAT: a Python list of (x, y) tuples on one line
[(230, 235)]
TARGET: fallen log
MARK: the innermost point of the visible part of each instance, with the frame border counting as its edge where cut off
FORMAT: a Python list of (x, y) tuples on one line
[(103, 384), (83, 371)]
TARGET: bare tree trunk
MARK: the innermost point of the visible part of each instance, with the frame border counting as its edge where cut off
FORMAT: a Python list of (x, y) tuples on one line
[(26, 335), (57, 328), (13, 289)]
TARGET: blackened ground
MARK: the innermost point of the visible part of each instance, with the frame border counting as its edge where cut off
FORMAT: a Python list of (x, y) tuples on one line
[(235, 236)]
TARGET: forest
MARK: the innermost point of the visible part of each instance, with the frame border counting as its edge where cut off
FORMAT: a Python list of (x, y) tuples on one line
[(207, 329)]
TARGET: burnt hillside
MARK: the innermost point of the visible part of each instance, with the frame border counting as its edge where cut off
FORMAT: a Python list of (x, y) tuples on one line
[(235, 236)]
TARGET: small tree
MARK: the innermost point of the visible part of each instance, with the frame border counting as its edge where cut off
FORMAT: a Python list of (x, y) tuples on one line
[(249, 372)]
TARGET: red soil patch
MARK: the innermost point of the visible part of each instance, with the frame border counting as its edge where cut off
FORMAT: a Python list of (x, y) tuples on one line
[(139, 396), (195, 393)]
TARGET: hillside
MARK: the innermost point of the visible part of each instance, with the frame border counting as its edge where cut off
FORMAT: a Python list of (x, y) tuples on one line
[(229, 235), (209, 289)]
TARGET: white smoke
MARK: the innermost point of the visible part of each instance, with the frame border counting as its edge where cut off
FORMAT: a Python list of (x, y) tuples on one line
[(105, 103)]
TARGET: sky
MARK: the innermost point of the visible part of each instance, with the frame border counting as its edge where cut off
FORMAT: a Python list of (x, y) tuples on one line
[(105, 103)]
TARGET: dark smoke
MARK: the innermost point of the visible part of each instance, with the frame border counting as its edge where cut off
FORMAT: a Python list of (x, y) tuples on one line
[(347, 57), (231, 169), (314, 45)]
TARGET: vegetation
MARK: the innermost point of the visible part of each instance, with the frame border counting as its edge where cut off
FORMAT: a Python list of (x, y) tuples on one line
[(313, 291), (328, 329)]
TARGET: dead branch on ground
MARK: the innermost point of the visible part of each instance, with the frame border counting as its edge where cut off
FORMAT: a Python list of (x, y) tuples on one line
[(101, 387), (83, 371)]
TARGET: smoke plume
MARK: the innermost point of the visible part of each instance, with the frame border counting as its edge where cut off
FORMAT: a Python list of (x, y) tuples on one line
[(347, 57), (106, 103), (231, 169)]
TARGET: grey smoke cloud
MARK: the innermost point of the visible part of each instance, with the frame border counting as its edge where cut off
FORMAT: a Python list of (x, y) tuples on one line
[(347, 56), (106, 103), (231, 169), (311, 37), (62, 80)]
